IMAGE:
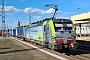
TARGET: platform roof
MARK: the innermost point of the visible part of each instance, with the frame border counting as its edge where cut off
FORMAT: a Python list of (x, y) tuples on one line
[(81, 18)]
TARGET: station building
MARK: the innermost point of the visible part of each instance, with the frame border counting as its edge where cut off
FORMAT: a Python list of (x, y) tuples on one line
[(79, 21)]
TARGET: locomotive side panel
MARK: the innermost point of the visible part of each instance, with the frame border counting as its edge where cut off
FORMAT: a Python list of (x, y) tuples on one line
[(34, 33)]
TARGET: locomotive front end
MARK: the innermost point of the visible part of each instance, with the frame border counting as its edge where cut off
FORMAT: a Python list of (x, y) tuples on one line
[(65, 35)]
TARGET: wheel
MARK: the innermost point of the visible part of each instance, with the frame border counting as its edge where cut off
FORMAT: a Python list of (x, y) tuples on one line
[(46, 45)]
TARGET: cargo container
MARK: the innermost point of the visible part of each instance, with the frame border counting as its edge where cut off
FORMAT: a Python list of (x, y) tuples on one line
[(14, 32), (11, 32), (21, 32)]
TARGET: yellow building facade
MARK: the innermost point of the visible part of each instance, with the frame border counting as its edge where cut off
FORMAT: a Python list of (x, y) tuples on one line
[(81, 18)]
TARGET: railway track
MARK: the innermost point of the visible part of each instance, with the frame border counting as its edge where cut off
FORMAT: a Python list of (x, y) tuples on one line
[(83, 48), (84, 45), (78, 54)]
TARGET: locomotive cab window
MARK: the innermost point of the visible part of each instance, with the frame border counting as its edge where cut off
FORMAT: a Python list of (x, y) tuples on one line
[(58, 26)]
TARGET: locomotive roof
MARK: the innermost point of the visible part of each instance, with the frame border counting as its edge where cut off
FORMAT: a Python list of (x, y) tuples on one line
[(54, 20), (39, 23)]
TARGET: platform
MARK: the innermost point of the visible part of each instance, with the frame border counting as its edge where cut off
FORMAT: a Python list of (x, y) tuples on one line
[(83, 38), (11, 49)]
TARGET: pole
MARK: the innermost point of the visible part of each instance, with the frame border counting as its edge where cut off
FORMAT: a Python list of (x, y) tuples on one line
[(30, 19), (7, 31), (3, 19), (2, 16), (80, 29)]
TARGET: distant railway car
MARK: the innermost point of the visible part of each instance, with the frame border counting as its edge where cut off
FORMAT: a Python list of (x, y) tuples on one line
[(21, 31), (7, 32), (11, 32), (52, 33), (14, 32), (0, 32)]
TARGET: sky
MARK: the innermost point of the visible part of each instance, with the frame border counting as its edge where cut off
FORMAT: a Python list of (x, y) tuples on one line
[(20, 9)]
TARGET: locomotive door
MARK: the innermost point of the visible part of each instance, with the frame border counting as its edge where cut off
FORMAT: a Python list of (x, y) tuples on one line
[(46, 33)]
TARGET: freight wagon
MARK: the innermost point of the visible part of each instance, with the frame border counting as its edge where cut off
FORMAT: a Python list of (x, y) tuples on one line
[(0, 32), (14, 32), (11, 32), (52, 33), (21, 32), (18, 32)]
